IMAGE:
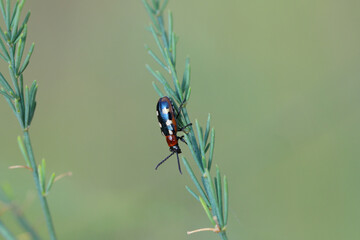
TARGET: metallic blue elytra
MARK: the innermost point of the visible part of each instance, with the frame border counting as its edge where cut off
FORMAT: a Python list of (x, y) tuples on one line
[(166, 117), (167, 122)]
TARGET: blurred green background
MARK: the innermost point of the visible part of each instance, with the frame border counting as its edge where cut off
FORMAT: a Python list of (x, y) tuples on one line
[(281, 79)]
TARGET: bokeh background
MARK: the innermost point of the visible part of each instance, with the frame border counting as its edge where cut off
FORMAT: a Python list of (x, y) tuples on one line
[(280, 78)]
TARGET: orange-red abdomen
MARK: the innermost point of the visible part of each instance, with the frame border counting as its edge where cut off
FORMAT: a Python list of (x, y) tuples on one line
[(171, 140)]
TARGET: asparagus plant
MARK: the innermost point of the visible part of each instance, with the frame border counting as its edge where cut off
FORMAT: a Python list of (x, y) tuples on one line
[(22, 99), (212, 192)]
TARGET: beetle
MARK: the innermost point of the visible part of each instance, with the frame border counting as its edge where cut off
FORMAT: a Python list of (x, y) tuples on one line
[(165, 112)]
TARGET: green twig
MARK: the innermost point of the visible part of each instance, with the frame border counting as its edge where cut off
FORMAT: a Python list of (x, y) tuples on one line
[(22, 99), (43, 199), (6, 232), (213, 199), (18, 213)]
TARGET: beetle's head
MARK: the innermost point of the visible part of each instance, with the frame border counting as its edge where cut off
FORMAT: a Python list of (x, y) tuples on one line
[(175, 148)]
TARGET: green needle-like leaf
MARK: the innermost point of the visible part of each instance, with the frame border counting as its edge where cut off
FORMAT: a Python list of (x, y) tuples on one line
[(19, 112), (32, 100), (219, 192), (174, 76), (21, 83), (7, 15), (148, 7), (192, 193), (170, 31), (153, 55), (151, 13), (14, 11), (27, 106), (14, 80), (170, 92), (5, 232), (186, 77), (157, 90), (212, 143), (27, 59), (50, 183), (163, 6), (2, 34), (173, 47), (157, 41), (43, 164), (226, 200), (2, 9), (187, 95), (195, 156), (162, 80), (41, 179), (194, 179), (207, 131), (155, 4), (3, 57), (23, 25), (209, 186), (15, 20), (201, 143), (5, 94), (32, 111), (5, 52), (23, 151), (11, 104), (207, 147), (207, 210), (19, 53), (6, 85)]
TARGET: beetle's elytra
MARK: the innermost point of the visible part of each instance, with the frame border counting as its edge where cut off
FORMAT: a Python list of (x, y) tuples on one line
[(167, 121)]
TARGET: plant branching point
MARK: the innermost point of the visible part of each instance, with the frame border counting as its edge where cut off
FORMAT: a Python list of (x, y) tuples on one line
[(212, 192)]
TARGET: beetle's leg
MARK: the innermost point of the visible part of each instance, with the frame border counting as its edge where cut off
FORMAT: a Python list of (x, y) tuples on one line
[(180, 108), (182, 128), (182, 139)]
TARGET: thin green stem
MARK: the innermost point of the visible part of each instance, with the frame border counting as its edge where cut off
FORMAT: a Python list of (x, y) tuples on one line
[(26, 226), (43, 200), (5, 232), (175, 79), (23, 106), (18, 213), (223, 235), (192, 136)]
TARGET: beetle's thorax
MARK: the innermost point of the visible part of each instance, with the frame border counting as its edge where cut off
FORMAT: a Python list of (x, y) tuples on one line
[(175, 148)]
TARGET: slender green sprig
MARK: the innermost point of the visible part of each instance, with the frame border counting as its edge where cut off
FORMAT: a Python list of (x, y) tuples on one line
[(5, 232), (7, 200), (22, 99), (212, 195)]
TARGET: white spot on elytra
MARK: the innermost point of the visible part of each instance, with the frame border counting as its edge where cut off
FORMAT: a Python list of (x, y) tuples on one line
[(160, 125), (168, 122), (170, 132), (165, 110), (157, 113)]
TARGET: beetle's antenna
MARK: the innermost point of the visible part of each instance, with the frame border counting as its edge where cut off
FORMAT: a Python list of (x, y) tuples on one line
[(165, 160), (177, 155), (182, 128)]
